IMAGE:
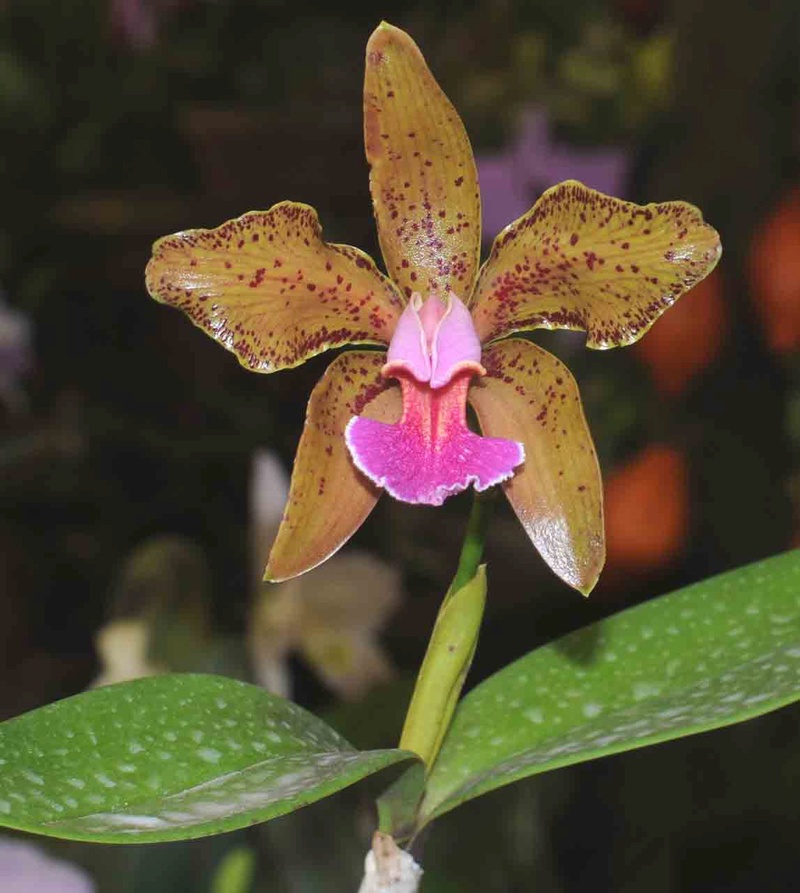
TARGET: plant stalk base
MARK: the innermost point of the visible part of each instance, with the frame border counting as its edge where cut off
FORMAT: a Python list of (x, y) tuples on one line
[(388, 869)]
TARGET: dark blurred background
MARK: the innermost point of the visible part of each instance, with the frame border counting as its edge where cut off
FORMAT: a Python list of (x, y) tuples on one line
[(121, 424)]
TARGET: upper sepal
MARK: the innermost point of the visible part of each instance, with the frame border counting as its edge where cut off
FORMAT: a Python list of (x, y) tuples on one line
[(423, 178)]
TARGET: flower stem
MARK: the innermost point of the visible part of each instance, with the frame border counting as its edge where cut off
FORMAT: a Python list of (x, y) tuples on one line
[(474, 539), (451, 647)]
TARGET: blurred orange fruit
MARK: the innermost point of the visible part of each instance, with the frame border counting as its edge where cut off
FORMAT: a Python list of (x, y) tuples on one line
[(687, 338), (774, 273), (647, 509)]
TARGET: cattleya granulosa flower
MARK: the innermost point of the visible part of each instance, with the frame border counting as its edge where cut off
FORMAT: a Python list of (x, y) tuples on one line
[(267, 287)]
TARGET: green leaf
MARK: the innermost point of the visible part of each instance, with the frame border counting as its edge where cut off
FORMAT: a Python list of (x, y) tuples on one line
[(715, 653), (167, 758)]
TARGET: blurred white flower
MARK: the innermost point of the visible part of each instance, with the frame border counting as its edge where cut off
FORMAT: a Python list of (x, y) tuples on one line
[(269, 490), (160, 614), (332, 615), (25, 868), (122, 646)]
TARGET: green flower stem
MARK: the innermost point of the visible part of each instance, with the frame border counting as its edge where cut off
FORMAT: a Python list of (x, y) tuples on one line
[(451, 647), (474, 539)]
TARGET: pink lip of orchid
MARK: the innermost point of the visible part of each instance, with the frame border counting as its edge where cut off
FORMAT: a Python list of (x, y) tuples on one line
[(271, 290)]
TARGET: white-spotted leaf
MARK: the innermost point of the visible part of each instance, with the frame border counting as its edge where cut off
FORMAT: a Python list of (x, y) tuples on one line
[(712, 654), (167, 758)]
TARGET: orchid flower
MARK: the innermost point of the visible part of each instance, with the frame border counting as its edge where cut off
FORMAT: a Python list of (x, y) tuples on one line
[(332, 616), (123, 648), (268, 288), (535, 160), (25, 867), (16, 354)]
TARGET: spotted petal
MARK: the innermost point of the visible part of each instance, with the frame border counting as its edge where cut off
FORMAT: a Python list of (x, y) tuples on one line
[(529, 396), (328, 498), (267, 287), (583, 260), (423, 178)]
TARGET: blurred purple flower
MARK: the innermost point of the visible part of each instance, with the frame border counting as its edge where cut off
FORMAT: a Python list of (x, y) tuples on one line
[(16, 353), (513, 179), (24, 868), (136, 21)]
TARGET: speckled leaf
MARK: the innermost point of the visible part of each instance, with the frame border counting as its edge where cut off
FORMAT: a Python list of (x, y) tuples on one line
[(167, 758), (328, 497), (709, 655), (530, 396), (423, 178), (267, 287), (583, 260)]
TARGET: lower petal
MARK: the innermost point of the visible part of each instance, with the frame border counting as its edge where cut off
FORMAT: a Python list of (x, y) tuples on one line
[(430, 453), (558, 497), (328, 499)]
